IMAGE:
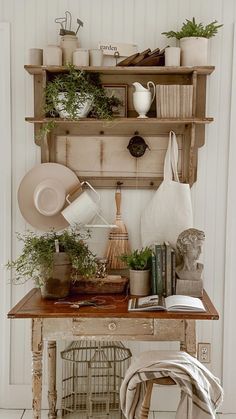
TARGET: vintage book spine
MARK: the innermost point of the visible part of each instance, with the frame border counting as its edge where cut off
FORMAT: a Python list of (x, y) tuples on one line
[(173, 274), (168, 269), (158, 268), (158, 100), (154, 276), (178, 101), (163, 255)]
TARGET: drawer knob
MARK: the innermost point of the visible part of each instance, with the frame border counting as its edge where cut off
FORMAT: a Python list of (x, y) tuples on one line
[(112, 326)]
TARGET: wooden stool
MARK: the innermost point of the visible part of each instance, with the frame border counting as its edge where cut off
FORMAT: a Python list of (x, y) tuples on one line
[(144, 412)]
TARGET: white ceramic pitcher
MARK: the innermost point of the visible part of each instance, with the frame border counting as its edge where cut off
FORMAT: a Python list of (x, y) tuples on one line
[(143, 98)]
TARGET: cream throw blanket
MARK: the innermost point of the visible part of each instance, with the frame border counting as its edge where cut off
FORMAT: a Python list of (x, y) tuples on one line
[(201, 393)]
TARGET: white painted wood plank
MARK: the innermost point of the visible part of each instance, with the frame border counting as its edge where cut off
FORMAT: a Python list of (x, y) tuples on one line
[(229, 370)]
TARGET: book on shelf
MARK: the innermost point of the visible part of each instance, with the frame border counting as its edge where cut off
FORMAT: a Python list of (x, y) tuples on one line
[(163, 281), (171, 303), (174, 101)]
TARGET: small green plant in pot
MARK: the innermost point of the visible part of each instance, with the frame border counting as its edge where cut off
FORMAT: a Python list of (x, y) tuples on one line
[(52, 260), (139, 263), (193, 39)]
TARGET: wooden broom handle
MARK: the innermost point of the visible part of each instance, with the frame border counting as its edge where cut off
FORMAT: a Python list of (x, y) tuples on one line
[(118, 202)]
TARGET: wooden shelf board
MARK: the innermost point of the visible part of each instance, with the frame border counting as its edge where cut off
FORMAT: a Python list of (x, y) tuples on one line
[(122, 121), (125, 70)]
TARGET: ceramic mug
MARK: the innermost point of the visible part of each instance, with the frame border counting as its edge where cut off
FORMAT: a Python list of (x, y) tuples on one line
[(35, 56), (95, 57), (83, 209), (172, 56), (81, 57)]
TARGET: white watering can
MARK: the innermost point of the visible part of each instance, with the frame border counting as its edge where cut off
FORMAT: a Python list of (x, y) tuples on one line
[(143, 98)]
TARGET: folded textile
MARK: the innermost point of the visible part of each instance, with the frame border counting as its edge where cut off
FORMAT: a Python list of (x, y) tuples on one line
[(201, 393)]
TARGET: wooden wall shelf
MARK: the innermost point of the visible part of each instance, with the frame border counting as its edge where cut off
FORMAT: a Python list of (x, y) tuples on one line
[(124, 70), (121, 121), (105, 161)]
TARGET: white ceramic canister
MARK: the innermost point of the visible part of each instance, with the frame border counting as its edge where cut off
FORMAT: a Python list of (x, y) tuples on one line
[(69, 43), (35, 56), (172, 56), (52, 55), (81, 57), (95, 57), (193, 51)]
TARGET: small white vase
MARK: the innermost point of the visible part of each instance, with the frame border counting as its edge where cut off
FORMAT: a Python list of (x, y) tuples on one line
[(194, 51), (139, 282)]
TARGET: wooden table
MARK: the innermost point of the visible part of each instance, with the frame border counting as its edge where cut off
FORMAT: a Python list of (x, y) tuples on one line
[(52, 322)]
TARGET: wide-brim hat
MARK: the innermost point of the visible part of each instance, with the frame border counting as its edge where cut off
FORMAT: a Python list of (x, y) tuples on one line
[(42, 195)]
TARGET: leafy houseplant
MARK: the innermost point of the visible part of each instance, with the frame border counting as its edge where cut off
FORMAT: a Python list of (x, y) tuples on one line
[(138, 260), (39, 257), (74, 94), (191, 28), (139, 263), (193, 39)]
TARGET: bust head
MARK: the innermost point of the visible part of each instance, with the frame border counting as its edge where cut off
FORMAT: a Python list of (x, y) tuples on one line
[(189, 245)]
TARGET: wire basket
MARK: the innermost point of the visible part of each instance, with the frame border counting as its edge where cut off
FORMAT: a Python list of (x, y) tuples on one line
[(92, 373)]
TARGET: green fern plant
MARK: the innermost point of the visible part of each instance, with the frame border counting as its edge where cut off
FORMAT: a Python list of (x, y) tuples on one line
[(190, 28), (138, 260)]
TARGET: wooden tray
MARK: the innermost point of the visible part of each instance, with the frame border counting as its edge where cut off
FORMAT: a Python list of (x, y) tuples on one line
[(112, 284)]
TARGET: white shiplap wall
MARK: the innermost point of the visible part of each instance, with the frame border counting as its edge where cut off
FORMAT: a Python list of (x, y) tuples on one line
[(141, 22)]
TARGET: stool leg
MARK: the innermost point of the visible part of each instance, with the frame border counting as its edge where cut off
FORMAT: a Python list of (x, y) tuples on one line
[(144, 412)]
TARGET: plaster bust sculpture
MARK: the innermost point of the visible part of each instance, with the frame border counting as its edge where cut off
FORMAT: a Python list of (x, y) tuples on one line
[(189, 246)]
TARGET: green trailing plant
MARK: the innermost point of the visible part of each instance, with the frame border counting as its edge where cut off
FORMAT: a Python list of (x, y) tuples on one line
[(87, 85), (78, 86), (191, 28), (138, 260), (38, 252)]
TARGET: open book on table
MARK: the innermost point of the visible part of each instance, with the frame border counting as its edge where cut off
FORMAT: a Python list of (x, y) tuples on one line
[(171, 303)]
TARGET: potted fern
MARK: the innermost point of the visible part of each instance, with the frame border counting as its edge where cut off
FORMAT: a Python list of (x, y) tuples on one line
[(193, 39), (52, 260), (139, 263)]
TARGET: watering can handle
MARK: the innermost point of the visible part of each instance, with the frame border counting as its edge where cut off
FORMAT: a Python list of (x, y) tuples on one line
[(150, 83), (79, 188)]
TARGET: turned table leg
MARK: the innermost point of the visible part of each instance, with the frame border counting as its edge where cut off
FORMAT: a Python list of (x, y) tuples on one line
[(37, 352), (52, 392)]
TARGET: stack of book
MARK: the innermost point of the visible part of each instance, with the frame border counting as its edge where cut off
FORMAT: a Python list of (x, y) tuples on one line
[(163, 280), (174, 101)]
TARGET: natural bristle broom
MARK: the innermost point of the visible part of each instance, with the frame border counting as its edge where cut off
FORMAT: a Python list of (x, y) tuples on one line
[(118, 243)]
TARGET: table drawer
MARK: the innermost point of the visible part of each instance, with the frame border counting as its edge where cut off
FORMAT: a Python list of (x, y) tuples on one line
[(112, 326)]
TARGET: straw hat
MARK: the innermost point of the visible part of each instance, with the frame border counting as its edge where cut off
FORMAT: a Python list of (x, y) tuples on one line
[(42, 193)]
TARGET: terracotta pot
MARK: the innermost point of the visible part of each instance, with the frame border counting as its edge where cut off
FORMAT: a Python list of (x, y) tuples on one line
[(58, 285), (194, 51), (139, 282)]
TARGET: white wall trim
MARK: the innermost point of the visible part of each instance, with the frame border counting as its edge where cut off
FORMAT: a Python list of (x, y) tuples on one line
[(229, 336), (5, 209)]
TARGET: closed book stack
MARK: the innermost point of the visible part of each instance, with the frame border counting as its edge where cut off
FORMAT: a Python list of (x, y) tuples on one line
[(174, 101), (163, 270)]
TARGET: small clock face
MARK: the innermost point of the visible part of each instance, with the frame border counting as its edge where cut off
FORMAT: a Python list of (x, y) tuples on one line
[(137, 146)]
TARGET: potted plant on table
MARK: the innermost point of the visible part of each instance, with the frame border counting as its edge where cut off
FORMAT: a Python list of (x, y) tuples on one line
[(193, 39), (139, 263), (53, 260)]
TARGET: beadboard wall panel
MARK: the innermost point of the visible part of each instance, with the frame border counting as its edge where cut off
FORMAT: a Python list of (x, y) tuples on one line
[(139, 21)]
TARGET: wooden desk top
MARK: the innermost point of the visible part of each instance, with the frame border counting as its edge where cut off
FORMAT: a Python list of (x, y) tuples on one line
[(33, 306)]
